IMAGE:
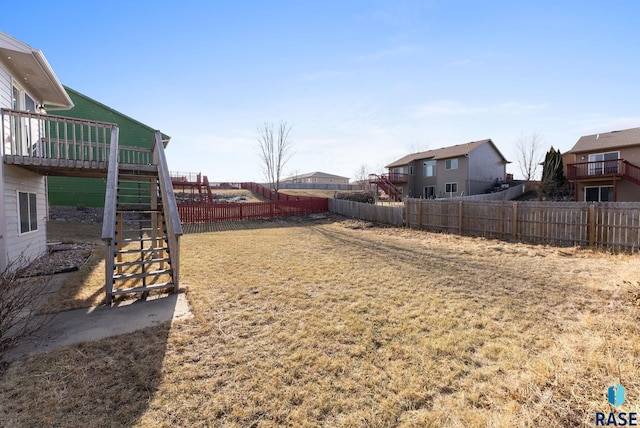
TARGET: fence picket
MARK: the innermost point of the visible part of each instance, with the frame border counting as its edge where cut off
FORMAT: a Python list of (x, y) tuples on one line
[(603, 225)]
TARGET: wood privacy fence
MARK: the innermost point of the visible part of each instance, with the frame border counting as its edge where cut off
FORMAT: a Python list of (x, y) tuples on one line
[(284, 205), (611, 225), (209, 213), (392, 215)]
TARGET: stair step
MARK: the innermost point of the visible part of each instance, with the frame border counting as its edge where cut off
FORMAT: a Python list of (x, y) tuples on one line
[(148, 211), (142, 229), (143, 289), (142, 250), (145, 239), (125, 241), (142, 262), (125, 276)]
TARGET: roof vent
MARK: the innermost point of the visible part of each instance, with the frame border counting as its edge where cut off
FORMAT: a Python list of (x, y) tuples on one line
[(597, 136)]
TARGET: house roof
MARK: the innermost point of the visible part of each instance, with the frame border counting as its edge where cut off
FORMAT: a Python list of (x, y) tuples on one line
[(93, 114), (445, 153), (318, 174), (32, 70), (608, 140)]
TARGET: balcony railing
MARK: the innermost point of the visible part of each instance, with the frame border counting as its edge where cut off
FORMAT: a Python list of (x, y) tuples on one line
[(597, 169), (393, 177), (47, 139)]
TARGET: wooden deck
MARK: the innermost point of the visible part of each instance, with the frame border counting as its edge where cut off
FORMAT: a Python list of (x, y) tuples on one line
[(61, 146), (74, 168)]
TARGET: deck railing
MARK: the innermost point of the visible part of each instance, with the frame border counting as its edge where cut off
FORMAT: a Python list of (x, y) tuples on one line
[(583, 170), (45, 136), (170, 207)]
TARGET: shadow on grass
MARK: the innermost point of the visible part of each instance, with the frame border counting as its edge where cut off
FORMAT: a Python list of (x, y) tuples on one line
[(92, 367), (92, 384)]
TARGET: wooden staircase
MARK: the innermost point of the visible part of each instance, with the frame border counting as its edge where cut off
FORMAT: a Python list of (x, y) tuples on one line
[(141, 228), (387, 186), (631, 172)]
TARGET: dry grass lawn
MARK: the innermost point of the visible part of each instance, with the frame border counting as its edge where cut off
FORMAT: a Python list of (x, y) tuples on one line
[(317, 193), (333, 324)]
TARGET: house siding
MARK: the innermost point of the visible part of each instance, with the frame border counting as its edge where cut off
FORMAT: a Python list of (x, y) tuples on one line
[(28, 245), (485, 166), (5, 88), (625, 190), (459, 175), (90, 192)]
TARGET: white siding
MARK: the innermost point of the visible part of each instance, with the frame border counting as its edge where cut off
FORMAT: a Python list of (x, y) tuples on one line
[(5, 102), (5, 88), (33, 244)]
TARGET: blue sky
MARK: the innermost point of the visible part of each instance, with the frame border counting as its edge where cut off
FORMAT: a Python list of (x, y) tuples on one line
[(360, 82)]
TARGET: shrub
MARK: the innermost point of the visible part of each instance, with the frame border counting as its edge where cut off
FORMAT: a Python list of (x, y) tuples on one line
[(20, 297)]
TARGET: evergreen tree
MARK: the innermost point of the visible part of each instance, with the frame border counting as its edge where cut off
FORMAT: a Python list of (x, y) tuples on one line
[(553, 179)]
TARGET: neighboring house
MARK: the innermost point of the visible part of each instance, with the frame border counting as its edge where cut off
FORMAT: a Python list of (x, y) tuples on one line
[(605, 167), (317, 178), (90, 191), (460, 170), (27, 83)]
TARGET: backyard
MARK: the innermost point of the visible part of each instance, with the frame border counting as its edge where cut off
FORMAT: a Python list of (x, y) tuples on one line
[(336, 322)]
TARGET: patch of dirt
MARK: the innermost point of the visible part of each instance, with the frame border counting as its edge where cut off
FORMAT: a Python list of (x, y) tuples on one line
[(60, 258), (78, 213)]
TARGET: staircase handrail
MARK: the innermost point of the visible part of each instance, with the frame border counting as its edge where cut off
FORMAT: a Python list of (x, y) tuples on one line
[(111, 194), (169, 205), (631, 171)]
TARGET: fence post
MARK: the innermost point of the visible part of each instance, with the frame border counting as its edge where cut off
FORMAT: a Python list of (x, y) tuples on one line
[(460, 218), (406, 213), (591, 225), (514, 220), (419, 202)]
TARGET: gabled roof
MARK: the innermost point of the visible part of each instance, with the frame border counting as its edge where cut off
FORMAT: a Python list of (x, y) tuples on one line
[(317, 174), (31, 69), (608, 140), (445, 153), (102, 112)]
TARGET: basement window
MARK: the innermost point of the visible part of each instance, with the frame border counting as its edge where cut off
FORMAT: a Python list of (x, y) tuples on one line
[(27, 211)]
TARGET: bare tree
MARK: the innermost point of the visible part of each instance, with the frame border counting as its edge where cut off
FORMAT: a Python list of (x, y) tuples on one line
[(275, 151), (529, 155), (361, 177)]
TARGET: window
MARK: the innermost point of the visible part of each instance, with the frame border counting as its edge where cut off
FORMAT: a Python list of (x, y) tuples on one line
[(27, 212), (451, 164), (604, 163), (451, 187), (598, 194), (412, 170), (430, 168)]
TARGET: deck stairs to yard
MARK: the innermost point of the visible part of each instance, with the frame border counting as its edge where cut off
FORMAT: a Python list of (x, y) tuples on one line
[(141, 228), (631, 172), (141, 253), (141, 224), (383, 182)]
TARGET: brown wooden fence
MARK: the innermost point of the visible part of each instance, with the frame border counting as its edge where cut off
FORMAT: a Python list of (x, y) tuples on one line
[(209, 213), (286, 205), (392, 215), (611, 225)]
